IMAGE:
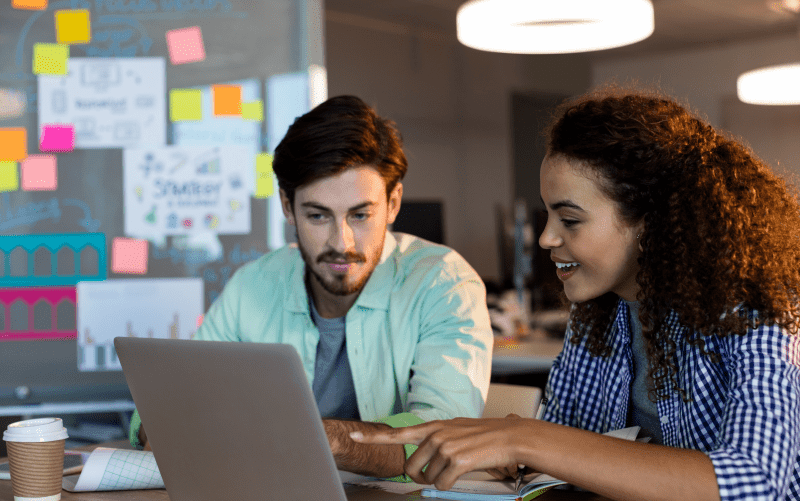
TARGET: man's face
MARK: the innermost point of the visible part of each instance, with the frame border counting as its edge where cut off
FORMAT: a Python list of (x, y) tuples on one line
[(341, 225)]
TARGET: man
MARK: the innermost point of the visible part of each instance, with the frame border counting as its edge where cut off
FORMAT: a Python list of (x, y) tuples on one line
[(389, 327)]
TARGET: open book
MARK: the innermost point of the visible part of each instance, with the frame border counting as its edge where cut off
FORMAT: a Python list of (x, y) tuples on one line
[(482, 486)]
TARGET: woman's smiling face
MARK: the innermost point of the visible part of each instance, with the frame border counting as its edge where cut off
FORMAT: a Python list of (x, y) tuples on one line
[(594, 249)]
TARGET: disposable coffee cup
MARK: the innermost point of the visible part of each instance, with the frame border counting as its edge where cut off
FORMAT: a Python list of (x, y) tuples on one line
[(36, 458)]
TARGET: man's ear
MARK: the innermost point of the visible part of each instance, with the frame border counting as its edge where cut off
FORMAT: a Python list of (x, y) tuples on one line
[(395, 199), (288, 213)]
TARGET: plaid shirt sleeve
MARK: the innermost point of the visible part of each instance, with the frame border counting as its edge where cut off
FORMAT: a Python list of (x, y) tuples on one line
[(757, 448), (745, 412)]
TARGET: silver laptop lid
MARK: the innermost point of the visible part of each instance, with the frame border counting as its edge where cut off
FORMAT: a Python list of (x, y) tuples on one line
[(230, 420)]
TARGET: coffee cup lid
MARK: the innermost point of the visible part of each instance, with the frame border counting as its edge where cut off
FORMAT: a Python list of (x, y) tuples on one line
[(36, 430)]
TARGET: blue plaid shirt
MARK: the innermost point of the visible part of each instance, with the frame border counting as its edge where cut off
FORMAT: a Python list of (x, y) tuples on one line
[(744, 413)]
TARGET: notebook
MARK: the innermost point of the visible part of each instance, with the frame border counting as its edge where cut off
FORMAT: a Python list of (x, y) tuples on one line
[(233, 421)]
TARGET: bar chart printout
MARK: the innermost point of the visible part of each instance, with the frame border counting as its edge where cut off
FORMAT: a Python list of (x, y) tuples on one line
[(166, 308)]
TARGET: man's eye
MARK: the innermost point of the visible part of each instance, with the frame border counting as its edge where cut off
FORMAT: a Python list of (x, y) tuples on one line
[(316, 217), (361, 216)]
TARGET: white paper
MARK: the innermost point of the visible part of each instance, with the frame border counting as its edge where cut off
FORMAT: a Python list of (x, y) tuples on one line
[(223, 130), (137, 307), (114, 470), (177, 190), (113, 102)]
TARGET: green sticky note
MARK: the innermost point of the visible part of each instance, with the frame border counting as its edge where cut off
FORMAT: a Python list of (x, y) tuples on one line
[(185, 104), (9, 176), (253, 110), (50, 58), (265, 185)]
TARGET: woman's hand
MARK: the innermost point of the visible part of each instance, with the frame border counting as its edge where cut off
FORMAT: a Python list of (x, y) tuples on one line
[(454, 447)]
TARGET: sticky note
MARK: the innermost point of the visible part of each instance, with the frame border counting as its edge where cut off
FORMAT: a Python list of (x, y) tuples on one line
[(73, 26), (253, 110), (265, 186), (129, 255), (227, 100), (9, 177), (29, 4), (39, 173), (185, 104), (12, 103), (57, 137), (185, 45), (50, 58), (13, 143)]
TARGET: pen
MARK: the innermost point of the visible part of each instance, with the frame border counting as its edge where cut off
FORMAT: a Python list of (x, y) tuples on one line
[(521, 467)]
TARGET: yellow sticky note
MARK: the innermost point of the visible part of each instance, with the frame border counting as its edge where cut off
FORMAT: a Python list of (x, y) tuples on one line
[(50, 58), (253, 110), (73, 26), (265, 185), (9, 176), (185, 104)]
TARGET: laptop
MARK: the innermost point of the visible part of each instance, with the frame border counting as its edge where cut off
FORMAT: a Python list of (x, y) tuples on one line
[(233, 421)]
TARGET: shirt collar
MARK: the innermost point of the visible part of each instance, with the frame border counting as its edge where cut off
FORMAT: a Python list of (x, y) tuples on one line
[(375, 294)]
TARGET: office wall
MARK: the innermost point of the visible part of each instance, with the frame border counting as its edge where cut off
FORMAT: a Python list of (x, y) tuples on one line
[(453, 107), (707, 79)]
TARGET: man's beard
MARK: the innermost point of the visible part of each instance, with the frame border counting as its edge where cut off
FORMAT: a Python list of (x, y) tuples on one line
[(337, 285)]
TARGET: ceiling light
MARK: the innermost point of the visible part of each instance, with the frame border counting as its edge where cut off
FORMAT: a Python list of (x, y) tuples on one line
[(553, 26), (776, 85)]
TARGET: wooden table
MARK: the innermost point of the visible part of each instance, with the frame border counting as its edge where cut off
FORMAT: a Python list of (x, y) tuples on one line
[(525, 356), (6, 493)]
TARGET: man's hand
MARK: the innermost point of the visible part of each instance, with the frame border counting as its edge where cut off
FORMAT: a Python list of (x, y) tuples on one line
[(454, 447), (382, 461)]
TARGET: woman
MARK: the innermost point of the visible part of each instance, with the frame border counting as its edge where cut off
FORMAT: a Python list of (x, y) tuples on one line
[(679, 251)]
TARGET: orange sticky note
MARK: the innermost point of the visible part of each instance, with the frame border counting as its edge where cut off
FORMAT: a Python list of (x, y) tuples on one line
[(129, 255), (265, 185), (39, 173), (185, 104), (9, 177), (50, 58), (29, 4), (186, 45), (227, 100), (253, 110), (13, 143)]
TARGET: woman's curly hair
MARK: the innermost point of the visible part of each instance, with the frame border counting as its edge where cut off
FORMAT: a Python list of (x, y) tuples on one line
[(721, 230)]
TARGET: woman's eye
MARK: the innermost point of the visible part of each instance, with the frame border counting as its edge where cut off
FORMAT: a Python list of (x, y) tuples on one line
[(569, 223)]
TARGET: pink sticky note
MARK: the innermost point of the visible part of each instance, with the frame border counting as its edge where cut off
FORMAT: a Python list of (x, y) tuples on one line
[(186, 45), (129, 255), (57, 137), (39, 173)]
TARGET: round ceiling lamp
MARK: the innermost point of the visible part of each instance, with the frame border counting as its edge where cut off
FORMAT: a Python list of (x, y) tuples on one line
[(773, 85), (553, 26)]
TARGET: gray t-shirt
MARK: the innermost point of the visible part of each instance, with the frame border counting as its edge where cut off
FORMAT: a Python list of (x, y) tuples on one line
[(333, 380), (642, 412)]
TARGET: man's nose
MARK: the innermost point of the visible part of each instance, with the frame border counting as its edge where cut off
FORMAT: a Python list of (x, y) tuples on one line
[(342, 238)]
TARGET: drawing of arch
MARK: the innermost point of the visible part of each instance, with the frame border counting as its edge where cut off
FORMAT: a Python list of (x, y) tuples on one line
[(42, 262), (18, 316), (89, 261), (65, 261), (18, 263), (42, 316), (65, 316)]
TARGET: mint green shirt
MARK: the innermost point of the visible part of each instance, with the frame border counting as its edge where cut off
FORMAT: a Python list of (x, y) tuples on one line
[(418, 337)]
